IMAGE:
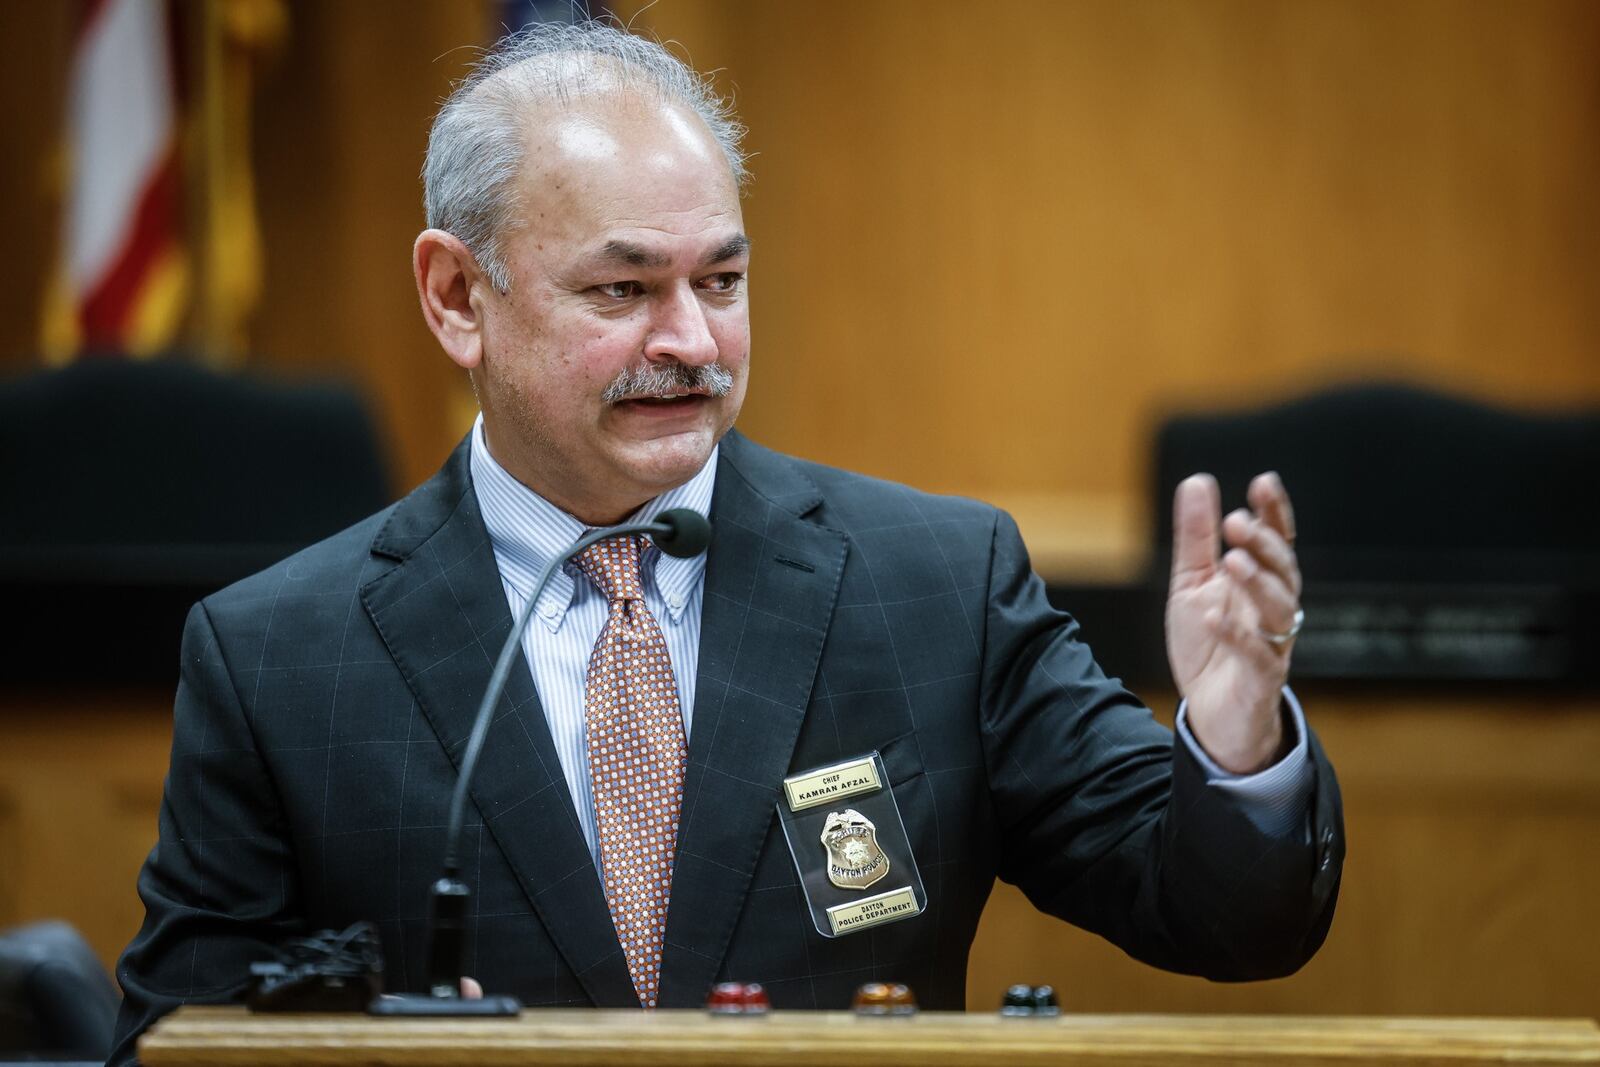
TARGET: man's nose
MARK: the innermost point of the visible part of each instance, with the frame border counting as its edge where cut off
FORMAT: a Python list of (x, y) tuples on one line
[(680, 330)]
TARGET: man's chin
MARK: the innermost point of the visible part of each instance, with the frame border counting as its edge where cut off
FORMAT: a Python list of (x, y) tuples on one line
[(667, 462)]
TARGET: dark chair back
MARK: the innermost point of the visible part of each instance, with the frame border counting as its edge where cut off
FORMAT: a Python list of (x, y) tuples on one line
[(118, 452), (131, 489), (55, 998), (1399, 483)]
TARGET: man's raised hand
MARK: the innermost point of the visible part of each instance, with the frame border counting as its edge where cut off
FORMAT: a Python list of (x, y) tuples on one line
[(1229, 618)]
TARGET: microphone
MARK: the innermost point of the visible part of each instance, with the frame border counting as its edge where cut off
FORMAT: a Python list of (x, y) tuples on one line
[(687, 532), (680, 532)]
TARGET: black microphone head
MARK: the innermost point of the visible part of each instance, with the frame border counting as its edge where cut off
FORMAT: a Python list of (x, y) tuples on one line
[(688, 532)]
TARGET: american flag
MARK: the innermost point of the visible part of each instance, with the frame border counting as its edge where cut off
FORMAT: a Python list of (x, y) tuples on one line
[(123, 277)]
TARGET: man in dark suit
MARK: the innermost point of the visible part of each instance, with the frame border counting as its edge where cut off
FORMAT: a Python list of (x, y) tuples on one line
[(586, 264)]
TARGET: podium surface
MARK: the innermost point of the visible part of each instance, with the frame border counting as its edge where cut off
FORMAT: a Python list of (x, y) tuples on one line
[(602, 1038)]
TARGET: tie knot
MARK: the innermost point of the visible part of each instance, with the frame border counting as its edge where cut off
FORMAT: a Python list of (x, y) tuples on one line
[(613, 566)]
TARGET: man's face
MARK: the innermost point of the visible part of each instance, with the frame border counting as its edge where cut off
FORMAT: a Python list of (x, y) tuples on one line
[(629, 260)]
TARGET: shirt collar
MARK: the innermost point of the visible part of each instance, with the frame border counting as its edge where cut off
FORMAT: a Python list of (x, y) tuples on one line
[(527, 531)]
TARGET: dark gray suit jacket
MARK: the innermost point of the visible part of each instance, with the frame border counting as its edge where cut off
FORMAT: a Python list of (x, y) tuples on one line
[(324, 704)]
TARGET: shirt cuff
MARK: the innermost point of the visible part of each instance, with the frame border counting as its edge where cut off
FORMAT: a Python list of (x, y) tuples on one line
[(1274, 799)]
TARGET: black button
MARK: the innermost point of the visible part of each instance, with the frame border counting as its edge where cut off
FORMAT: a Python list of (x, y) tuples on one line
[(1018, 996), (1044, 1001), (1027, 1000)]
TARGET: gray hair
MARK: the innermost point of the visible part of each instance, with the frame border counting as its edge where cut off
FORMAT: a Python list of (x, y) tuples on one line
[(475, 147)]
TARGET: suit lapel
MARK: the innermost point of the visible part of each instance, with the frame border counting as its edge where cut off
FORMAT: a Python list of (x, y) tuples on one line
[(442, 613), (771, 581)]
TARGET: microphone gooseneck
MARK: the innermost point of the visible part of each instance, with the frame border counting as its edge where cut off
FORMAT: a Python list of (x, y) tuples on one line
[(681, 532)]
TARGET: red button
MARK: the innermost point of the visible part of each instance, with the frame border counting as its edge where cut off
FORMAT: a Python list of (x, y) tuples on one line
[(738, 998)]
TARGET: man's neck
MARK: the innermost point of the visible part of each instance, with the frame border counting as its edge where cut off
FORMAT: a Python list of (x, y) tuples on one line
[(589, 513)]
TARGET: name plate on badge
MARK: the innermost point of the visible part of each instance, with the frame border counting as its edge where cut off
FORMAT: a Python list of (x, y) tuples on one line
[(832, 783), (885, 907)]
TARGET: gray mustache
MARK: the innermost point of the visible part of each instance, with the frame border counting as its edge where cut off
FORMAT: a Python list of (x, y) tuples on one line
[(653, 379)]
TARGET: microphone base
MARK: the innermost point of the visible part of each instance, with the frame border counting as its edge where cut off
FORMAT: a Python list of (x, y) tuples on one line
[(421, 1005)]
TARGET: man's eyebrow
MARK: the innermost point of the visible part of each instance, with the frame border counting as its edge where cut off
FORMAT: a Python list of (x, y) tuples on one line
[(732, 248), (634, 255)]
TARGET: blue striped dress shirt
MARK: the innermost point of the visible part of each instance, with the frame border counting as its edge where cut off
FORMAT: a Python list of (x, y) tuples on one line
[(527, 532)]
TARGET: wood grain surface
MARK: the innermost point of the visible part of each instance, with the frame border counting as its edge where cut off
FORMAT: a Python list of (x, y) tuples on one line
[(230, 1036)]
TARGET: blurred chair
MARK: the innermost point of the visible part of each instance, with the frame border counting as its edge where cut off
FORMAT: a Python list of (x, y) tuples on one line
[(56, 1000), (137, 487), (1400, 483), (1440, 539), (117, 452)]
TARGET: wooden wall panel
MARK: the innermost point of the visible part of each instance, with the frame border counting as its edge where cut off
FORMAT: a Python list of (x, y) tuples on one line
[(992, 242), (11, 857), (80, 788), (341, 129), (1468, 888), (32, 92)]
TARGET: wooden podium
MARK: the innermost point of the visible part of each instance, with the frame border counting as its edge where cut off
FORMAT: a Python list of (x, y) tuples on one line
[(232, 1037)]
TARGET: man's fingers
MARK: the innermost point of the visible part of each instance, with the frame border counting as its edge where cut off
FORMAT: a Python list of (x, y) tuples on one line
[(470, 989), (1196, 507), (1270, 501), (1274, 603), (1265, 545)]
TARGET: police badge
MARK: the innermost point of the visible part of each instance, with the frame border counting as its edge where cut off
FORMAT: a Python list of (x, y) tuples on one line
[(846, 893), (854, 859)]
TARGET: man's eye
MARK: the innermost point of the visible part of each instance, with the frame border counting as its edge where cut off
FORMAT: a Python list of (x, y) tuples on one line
[(723, 283), (619, 290)]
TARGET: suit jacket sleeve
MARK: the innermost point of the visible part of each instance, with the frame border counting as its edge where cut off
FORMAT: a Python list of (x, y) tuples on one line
[(219, 887), (1110, 825)]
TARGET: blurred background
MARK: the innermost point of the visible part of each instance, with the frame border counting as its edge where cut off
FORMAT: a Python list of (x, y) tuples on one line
[(1048, 254)]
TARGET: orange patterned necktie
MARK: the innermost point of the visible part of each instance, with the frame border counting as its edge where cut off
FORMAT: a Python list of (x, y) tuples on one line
[(636, 759)]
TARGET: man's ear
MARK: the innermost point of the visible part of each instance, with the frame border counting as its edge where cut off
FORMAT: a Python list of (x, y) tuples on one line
[(447, 275)]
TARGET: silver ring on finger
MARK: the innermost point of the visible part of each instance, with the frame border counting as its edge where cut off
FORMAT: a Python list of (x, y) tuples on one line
[(1281, 639)]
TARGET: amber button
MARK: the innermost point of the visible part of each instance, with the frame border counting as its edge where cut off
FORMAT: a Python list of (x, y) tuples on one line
[(884, 998)]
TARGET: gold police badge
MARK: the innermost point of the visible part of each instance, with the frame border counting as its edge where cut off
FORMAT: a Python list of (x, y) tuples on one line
[(854, 859)]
